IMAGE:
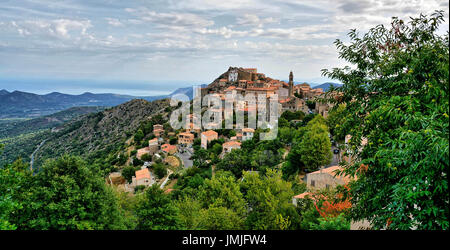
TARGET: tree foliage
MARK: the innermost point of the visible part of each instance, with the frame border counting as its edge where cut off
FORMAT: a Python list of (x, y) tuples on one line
[(67, 194), (396, 97), (155, 211)]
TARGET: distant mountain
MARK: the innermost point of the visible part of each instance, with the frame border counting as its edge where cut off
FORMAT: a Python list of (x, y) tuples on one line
[(326, 86), (16, 127), (20, 104), (188, 91), (97, 134)]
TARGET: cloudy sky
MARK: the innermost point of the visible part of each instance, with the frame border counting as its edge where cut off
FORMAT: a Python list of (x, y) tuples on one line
[(153, 47)]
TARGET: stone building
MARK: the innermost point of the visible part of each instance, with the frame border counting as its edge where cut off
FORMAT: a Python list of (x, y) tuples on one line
[(207, 137), (142, 177), (326, 178), (247, 134), (169, 149), (228, 146), (158, 130), (185, 138)]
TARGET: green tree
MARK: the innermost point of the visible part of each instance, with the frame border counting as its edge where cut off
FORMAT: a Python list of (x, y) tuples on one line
[(68, 194), (160, 170), (222, 204), (189, 213), (155, 211), (289, 115), (128, 173), (222, 190), (138, 136), (146, 157), (220, 218), (15, 181), (236, 161), (334, 122), (313, 149), (396, 97), (200, 157), (216, 149), (331, 223), (269, 199)]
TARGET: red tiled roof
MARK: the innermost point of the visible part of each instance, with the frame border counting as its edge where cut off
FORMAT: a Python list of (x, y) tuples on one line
[(168, 148), (332, 171), (230, 88), (210, 133), (262, 89), (248, 130), (231, 144), (142, 174)]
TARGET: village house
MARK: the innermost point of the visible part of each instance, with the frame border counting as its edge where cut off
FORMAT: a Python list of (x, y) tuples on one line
[(326, 178), (158, 130), (153, 147), (142, 177), (141, 152), (228, 146), (185, 138), (298, 197), (247, 134), (207, 137), (169, 149)]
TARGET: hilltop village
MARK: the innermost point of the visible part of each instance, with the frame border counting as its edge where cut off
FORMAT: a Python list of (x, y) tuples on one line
[(371, 153), (175, 149), (245, 81)]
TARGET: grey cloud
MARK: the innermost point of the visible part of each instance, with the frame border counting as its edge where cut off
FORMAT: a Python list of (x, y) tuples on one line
[(355, 6)]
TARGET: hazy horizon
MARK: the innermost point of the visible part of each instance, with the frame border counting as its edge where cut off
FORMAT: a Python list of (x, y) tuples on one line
[(80, 86), (158, 46)]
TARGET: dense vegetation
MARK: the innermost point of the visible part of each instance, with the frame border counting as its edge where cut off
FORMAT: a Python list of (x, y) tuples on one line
[(13, 127), (397, 97), (100, 137)]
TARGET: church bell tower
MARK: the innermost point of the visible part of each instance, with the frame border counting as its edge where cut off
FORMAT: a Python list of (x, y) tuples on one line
[(291, 84)]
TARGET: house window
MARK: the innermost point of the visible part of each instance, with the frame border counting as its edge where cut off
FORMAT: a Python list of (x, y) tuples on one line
[(313, 183)]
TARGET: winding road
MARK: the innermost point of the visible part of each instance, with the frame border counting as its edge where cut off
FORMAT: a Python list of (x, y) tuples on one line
[(35, 151)]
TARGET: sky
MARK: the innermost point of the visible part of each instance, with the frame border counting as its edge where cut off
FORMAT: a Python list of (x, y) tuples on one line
[(153, 47)]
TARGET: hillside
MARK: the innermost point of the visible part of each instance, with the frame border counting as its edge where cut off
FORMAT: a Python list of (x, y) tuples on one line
[(99, 133), (17, 127), (326, 86), (18, 104)]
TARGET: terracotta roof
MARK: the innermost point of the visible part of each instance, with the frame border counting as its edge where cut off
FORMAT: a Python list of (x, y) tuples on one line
[(332, 171), (142, 174), (310, 196), (186, 134), (248, 130), (230, 88), (210, 133), (168, 148), (231, 144), (303, 195), (285, 100), (262, 89)]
